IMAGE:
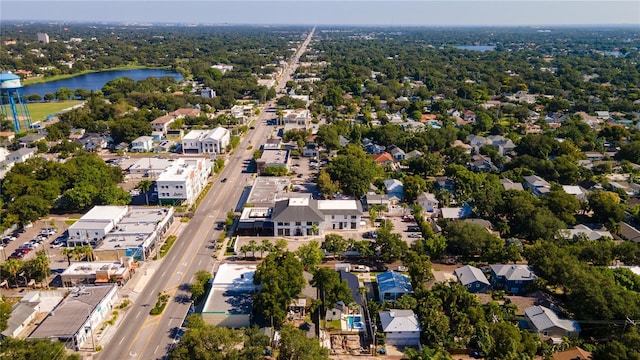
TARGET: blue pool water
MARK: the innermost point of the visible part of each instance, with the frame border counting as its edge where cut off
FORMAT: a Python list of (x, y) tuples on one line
[(354, 322)]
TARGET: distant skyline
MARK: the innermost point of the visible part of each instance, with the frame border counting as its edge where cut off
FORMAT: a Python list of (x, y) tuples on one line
[(331, 12)]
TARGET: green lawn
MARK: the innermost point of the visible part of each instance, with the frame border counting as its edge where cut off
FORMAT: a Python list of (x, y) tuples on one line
[(39, 111)]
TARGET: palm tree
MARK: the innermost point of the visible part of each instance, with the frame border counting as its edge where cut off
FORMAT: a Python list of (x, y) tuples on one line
[(13, 267), (87, 251), (265, 246), (78, 253), (144, 185), (244, 249), (68, 252), (42, 263), (253, 246)]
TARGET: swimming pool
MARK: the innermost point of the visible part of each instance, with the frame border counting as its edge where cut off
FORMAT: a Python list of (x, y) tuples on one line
[(354, 322)]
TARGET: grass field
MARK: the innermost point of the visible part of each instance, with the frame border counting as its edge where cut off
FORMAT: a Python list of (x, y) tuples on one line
[(39, 111)]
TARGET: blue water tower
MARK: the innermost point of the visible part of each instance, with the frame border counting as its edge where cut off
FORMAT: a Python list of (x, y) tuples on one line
[(12, 103)]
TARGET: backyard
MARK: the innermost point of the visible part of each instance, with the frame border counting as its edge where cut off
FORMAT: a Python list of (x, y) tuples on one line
[(39, 111)]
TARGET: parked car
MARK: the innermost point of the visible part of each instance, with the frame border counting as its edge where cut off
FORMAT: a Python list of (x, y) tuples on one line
[(413, 228), (360, 268), (415, 236), (48, 231), (8, 239), (16, 255), (57, 245), (402, 268)]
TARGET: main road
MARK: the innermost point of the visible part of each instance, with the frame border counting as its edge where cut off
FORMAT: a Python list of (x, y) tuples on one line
[(142, 336)]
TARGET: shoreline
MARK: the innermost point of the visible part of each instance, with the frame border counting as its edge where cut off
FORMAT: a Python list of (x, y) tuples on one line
[(34, 81)]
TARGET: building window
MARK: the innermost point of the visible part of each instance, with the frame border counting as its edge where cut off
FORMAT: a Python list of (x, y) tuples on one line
[(298, 223), (309, 223)]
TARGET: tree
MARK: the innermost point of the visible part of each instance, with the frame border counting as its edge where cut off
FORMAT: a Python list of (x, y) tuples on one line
[(295, 345), (327, 186), (145, 185), (389, 246), (562, 205), (335, 244), (470, 240), (20, 349), (5, 313), (208, 343), (266, 246), (280, 275), (413, 186), (68, 252), (606, 207), (13, 267), (353, 169), (310, 254)]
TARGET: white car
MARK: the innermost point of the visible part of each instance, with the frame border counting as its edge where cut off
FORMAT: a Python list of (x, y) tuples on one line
[(402, 268), (360, 268)]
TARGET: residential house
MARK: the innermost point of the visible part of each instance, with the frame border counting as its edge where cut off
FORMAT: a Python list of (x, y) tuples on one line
[(503, 145), (142, 144), (427, 202), (162, 123), (413, 154), (343, 141), (7, 135), (456, 213), (472, 278), (395, 190), (467, 148), (445, 183), (468, 115), (477, 141), (481, 163), (513, 279), (575, 190), (93, 142), (310, 150), (604, 115), (20, 155), (376, 199), (584, 232), (30, 140), (574, 353), (393, 285), (548, 325), (213, 141), (22, 315), (397, 153), (537, 185), (401, 327), (383, 159), (507, 184)]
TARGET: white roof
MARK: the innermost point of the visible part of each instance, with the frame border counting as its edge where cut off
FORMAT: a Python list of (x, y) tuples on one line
[(572, 189), (396, 320), (337, 205), (195, 134), (425, 196), (217, 133), (105, 213), (235, 277)]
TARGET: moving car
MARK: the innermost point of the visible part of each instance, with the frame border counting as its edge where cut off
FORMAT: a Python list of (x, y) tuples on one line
[(223, 180)]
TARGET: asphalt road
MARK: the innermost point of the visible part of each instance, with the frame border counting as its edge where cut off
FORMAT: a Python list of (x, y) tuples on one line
[(142, 336)]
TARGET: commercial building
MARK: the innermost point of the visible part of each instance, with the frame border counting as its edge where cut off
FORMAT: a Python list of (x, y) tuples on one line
[(95, 224), (206, 141), (43, 38), (183, 181), (230, 300), (98, 272), (121, 231), (76, 319), (272, 158)]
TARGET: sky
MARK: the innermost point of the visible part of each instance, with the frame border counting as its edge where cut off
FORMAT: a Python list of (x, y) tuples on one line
[(331, 12)]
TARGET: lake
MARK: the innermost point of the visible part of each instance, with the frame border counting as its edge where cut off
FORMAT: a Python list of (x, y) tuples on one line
[(95, 81), (481, 48)]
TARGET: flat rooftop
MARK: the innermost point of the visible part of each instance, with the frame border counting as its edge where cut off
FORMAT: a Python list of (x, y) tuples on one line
[(88, 268), (265, 190), (273, 156), (72, 313), (181, 169), (106, 213), (232, 290), (136, 227), (150, 164)]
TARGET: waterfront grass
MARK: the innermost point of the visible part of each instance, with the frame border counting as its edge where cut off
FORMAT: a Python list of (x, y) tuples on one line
[(39, 111)]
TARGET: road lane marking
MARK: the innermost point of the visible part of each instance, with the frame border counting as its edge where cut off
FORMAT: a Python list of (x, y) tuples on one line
[(121, 340)]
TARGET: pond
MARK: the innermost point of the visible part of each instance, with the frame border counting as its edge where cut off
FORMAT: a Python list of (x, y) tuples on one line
[(95, 81)]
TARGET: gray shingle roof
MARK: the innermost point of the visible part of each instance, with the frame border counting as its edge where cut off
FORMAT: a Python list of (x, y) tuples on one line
[(514, 272), (543, 318), (469, 274), (283, 212)]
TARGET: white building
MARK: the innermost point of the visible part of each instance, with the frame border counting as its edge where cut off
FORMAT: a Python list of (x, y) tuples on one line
[(43, 38), (75, 321), (142, 144), (300, 216), (230, 300), (95, 224), (183, 181), (340, 214), (401, 327), (298, 117), (206, 141), (222, 67), (428, 202), (162, 123)]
